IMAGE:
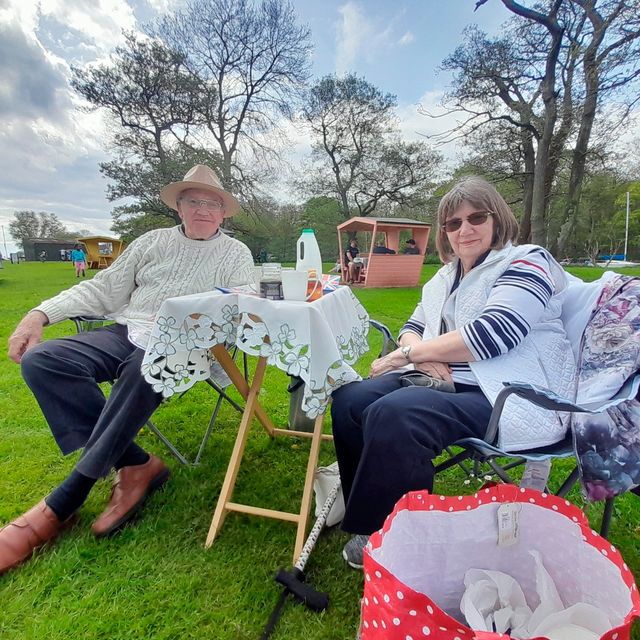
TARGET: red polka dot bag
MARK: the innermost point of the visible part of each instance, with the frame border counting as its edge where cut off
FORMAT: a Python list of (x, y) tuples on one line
[(414, 567)]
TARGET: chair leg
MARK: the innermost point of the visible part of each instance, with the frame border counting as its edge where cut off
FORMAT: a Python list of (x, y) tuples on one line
[(568, 484), (500, 472), (167, 443), (606, 517), (210, 426), (225, 395), (457, 458)]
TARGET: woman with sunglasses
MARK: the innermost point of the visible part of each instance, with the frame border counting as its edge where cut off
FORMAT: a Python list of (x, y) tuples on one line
[(490, 314)]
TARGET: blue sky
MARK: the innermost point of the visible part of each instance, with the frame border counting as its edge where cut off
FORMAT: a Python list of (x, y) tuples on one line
[(50, 151)]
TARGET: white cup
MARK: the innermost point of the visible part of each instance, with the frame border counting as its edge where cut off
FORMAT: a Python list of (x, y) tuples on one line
[(294, 285)]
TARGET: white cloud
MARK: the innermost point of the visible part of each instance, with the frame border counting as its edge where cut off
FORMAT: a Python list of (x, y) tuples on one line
[(101, 21), (49, 150), (416, 125), (358, 34), (163, 6), (407, 38), (352, 32)]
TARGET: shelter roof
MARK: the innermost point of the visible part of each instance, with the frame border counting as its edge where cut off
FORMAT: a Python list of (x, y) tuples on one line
[(361, 223), (50, 240)]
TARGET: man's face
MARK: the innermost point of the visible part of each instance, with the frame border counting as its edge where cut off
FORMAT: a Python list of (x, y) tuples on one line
[(201, 212)]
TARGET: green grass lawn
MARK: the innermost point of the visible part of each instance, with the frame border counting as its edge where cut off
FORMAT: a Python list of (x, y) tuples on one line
[(155, 579)]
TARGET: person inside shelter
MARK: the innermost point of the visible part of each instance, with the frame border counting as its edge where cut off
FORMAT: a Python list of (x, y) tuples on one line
[(411, 248), (352, 262), (491, 313), (63, 374), (381, 247)]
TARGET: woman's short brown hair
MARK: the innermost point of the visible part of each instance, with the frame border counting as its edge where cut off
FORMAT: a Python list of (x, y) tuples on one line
[(483, 195)]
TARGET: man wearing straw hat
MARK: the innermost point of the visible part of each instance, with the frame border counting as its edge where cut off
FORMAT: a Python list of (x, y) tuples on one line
[(63, 374)]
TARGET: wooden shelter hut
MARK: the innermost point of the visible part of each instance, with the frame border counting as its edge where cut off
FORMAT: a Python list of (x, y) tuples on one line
[(101, 250), (383, 269)]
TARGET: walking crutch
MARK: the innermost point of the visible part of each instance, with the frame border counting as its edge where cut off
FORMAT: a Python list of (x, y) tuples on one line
[(293, 580)]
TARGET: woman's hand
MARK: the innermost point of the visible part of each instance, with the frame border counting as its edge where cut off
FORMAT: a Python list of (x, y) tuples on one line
[(439, 370), (396, 360), (390, 362)]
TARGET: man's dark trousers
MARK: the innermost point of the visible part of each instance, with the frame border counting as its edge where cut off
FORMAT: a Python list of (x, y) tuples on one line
[(63, 375)]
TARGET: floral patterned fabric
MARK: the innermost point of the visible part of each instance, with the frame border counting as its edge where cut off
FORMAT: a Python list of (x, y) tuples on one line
[(608, 443), (316, 341)]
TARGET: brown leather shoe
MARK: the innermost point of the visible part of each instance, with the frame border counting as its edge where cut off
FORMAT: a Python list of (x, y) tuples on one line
[(20, 538), (132, 486)]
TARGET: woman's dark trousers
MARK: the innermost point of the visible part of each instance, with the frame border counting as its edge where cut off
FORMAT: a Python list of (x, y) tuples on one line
[(63, 375), (386, 437)]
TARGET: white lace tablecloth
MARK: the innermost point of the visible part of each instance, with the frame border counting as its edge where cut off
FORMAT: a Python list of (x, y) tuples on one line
[(317, 341)]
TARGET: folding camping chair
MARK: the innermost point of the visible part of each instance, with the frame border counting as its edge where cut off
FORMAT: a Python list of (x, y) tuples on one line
[(487, 450), (87, 323)]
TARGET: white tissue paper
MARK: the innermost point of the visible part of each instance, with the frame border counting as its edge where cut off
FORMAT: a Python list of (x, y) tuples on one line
[(494, 601)]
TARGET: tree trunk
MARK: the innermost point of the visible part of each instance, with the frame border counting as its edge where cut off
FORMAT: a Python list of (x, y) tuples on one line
[(527, 188), (592, 82), (550, 22)]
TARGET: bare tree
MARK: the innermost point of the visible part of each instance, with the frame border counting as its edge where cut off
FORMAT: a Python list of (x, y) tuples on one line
[(548, 94), (529, 80), (358, 157), (611, 61), (253, 61), (153, 101), (496, 88)]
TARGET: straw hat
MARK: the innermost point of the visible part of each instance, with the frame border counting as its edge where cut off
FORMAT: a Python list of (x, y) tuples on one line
[(200, 177)]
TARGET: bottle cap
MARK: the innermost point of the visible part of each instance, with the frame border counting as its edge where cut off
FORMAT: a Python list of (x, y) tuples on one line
[(307, 231)]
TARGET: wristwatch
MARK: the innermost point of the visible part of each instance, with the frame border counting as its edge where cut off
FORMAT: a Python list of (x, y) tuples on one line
[(405, 351)]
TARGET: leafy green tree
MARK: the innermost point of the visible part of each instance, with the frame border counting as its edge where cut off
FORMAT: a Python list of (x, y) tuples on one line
[(29, 224), (323, 215)]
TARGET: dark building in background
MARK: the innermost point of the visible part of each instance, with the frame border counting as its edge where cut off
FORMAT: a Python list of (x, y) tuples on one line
[(55, 250)]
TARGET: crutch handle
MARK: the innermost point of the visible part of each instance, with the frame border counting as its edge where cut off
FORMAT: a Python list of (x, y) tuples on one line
[(293, 581)]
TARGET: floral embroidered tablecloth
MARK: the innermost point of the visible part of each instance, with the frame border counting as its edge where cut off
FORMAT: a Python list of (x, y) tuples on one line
[(317, 341)]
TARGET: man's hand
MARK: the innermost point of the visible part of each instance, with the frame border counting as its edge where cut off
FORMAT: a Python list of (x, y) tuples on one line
[(27, 334)]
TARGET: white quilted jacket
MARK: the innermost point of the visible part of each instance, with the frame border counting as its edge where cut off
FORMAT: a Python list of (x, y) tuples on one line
[(544, 357)]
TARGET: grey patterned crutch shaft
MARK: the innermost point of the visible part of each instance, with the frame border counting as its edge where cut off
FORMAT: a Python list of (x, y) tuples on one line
[(293, 581)]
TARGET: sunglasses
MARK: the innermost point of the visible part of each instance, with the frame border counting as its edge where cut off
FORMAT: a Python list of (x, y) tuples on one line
[(474, 219)]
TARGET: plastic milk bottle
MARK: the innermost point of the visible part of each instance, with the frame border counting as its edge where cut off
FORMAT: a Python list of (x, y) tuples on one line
[(308, 254)]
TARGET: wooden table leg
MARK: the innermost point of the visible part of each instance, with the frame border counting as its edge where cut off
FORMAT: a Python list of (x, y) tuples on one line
[(307, 493), (221, 354), (238, 450)]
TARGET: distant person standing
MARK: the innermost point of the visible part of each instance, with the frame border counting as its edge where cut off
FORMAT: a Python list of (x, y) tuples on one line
[(79, 259), (43, 256)]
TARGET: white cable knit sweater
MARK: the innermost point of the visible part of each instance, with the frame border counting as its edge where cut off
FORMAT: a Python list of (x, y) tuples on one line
[(160, 264)]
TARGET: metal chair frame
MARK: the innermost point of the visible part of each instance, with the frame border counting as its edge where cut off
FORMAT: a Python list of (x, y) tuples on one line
[(87, 323), (486, 451)]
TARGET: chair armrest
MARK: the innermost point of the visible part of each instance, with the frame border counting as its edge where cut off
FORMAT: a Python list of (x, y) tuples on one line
[(547, 399), (388, 341), (86, 323), (538, 396), (90, 318)]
